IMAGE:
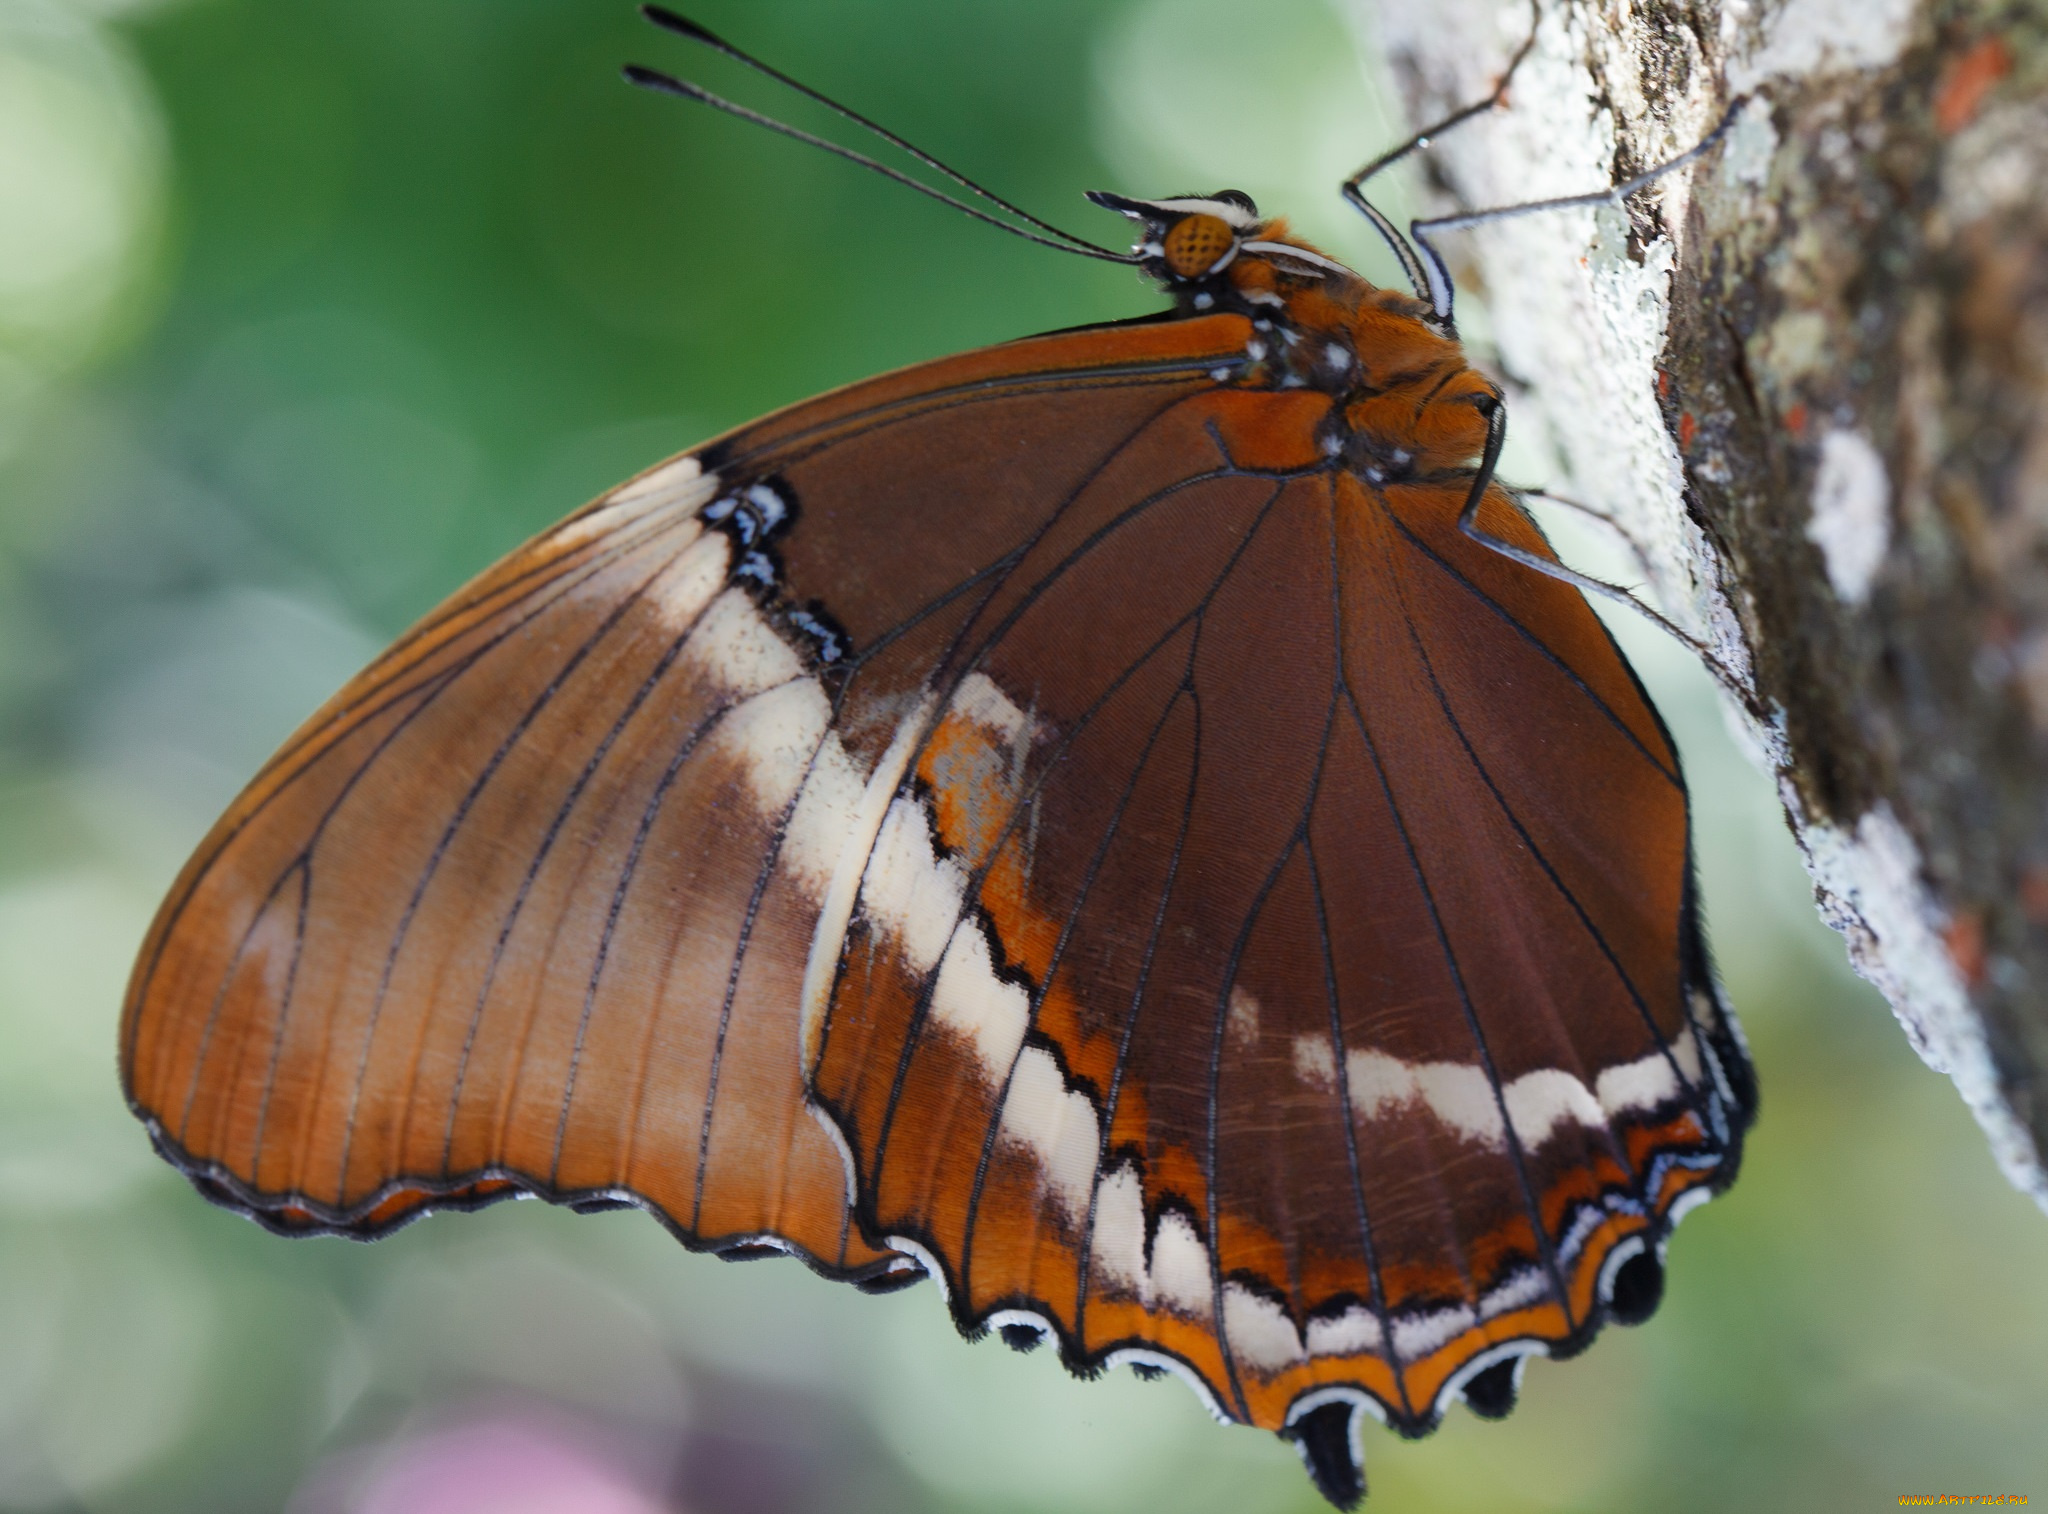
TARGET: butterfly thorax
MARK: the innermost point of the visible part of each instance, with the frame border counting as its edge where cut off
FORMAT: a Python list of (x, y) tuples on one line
[(1404, 402)]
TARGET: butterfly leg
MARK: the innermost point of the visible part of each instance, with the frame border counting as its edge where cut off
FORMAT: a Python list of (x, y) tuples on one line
[(1438, 276), (1353, 188), (1496, 415), (1636, 549)]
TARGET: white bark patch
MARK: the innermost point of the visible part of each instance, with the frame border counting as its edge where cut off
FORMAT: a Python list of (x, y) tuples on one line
[(1751, 144), (1852, 513), (1995, 164), (1801, 38), (1871, 889), (1577, 315)]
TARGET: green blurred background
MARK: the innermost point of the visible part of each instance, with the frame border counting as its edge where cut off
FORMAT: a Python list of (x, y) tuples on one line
[(307, 311)]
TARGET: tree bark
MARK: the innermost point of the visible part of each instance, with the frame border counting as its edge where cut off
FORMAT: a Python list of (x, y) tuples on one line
[(1809, 376)]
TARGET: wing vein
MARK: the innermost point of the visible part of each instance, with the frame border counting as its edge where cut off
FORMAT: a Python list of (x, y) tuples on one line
[(431, 689), (739, 957), (919, 1012), (526, 884), (1529, 636), (1546, 1250), (447, 839), (1563, 888), (1337, 1046)]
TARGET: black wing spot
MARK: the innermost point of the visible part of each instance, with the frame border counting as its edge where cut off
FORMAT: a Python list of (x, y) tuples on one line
[(1491, 1394), (754, 517), (829, 642), (1637, 1289), (1022, 1337), (893, 1281), (1323, 1437), (750, 1251), (753, 513)]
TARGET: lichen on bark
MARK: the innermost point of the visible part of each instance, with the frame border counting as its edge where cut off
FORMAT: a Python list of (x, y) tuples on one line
[(1810, 378)]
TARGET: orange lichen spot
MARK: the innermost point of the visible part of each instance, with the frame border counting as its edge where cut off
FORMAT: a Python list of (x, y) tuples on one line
[(1964, 937), (2034, 893), (1688, 428), (1795, 419), (1196, 244), (1968, 78)]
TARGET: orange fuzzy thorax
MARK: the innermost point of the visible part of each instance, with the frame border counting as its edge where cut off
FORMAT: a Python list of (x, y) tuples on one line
[(1404, 386)]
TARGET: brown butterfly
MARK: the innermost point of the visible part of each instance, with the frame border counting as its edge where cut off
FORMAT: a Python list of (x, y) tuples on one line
[(1132, 824)]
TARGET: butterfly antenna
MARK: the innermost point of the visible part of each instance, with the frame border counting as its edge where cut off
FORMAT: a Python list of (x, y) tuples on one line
[(1045, 235), (683, 26)]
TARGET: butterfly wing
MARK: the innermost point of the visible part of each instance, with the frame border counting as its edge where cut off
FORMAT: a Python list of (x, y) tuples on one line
[(1031, 818), (1277, 962)]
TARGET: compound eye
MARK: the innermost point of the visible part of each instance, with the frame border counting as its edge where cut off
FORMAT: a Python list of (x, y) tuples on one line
[(1196, 245)]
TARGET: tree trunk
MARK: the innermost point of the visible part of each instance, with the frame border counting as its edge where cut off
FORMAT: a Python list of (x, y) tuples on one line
[(1809, 376)]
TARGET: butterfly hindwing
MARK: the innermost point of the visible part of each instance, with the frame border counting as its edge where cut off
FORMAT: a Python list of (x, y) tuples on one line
[(1231, 986)]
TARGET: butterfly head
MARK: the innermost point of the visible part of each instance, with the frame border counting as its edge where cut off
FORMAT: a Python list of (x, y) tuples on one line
[(1187, 238), (1199, 246)]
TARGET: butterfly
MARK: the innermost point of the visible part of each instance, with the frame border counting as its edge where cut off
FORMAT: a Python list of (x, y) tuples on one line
[(1132, 825)]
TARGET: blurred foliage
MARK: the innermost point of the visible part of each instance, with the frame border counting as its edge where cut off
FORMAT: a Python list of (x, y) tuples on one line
[(306, 312)]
